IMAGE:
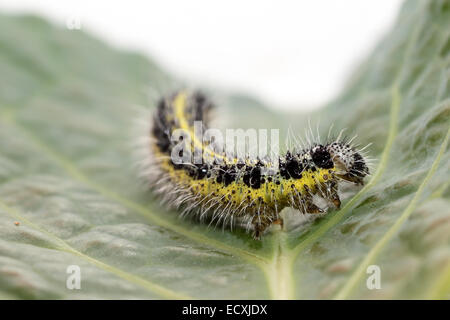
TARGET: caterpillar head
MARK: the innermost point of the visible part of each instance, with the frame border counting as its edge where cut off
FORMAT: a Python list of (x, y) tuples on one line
[(349, 163)]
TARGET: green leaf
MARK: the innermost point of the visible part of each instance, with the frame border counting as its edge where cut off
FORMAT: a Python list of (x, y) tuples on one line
[(69, 194)]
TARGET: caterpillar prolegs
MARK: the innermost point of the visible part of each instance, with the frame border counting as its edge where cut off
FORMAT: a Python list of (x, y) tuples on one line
[(189, 174)]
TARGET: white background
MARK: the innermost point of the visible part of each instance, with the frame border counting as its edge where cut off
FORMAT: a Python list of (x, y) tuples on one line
[(291, 54)]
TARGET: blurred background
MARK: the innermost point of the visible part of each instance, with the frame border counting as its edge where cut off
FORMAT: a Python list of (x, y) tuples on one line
[(290, 54)]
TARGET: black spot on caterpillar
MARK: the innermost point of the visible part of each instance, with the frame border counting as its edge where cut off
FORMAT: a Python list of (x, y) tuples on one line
[(228, 188)]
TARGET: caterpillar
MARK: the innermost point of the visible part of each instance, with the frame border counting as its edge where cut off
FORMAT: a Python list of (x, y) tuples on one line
[(231, 189)]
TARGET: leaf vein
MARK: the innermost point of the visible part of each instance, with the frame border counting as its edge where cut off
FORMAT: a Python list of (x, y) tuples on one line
[(373, 253), (64, 246)]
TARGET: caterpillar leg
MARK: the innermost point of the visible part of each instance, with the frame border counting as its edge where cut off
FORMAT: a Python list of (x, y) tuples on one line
[(279, 221), (352, 178), (336, 200), (309, 206), (259, 230), (334, 197), (312, 208), (260, 224)]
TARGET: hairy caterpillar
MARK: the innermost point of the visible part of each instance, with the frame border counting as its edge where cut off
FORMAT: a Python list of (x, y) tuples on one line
[(228, 188)]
